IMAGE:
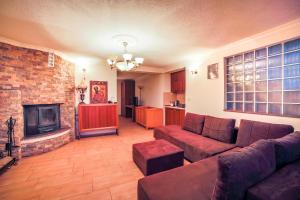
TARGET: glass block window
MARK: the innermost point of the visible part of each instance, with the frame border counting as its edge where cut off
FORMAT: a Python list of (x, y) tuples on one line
[(264, 80)]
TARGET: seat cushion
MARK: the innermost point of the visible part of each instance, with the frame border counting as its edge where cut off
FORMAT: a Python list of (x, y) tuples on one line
[(196, 147), (167, 128), (167, 132), (219, 128), (287, 149), (283, 184), (193, 122), (251, 131), (193, 182), (241, 169)]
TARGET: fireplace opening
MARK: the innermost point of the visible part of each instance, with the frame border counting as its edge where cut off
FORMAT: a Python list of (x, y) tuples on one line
[(41, 119)]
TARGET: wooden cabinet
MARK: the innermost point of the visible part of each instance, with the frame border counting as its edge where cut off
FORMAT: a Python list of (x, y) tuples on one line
[(127, 94), (149, 117), (95, 117), (178, 82), (174, 116)]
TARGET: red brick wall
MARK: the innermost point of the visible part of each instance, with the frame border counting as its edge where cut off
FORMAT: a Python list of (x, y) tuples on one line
[(25, 78)]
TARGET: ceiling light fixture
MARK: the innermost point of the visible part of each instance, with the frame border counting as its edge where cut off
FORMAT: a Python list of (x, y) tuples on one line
[(128, 63)]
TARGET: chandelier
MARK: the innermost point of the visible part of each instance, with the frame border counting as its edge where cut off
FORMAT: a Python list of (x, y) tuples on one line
[(128, 63)]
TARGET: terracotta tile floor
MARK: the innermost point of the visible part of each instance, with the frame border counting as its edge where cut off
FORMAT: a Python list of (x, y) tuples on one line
[(91, 168)]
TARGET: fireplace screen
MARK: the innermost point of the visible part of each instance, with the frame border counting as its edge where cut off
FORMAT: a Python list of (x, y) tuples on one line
[(47, 116), (41, 119)]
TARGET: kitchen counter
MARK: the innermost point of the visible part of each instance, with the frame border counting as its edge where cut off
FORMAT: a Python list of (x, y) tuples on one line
[(174, 107)]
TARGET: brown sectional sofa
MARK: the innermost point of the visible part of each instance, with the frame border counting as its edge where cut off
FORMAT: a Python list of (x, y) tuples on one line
[(215, 136), (198, 180), (196, 147)]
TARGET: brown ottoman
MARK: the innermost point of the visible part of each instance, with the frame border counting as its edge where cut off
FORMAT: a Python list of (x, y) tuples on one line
[(157, 156)]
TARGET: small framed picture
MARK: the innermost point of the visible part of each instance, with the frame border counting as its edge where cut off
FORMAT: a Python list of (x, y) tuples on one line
[(98, 91), (212, 71)]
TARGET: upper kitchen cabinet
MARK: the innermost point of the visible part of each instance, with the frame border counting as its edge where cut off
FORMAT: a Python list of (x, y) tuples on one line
[(178, 82)]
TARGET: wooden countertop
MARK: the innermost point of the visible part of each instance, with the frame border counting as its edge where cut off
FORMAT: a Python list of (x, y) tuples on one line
[(174, 107)]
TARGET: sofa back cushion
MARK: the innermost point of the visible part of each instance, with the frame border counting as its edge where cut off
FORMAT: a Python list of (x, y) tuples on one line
[(251, 131), (239, 170), (219, 128), (193, 122), (287, 149)]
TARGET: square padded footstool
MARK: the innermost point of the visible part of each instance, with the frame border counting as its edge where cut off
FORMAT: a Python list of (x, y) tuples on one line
[(157, 156)]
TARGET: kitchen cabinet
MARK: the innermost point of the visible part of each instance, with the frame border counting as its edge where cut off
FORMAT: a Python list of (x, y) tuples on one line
[(149, 117), (178, 82), (174, 116)]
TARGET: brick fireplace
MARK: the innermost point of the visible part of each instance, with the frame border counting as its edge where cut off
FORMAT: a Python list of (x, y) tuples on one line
[(26, 80)]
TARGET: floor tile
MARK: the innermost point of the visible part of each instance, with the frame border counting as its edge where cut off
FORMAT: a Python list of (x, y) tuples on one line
[(86, 169)]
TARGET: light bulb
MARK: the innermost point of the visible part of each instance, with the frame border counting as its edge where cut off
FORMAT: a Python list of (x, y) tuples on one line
[(127, 56), (139, 60), (110, 61)]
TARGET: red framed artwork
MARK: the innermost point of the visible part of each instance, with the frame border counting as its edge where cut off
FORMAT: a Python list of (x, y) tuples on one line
[(98, 91)]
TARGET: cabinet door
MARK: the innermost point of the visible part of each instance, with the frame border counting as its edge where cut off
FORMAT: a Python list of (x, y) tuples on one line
[(181, 117), (167, 116), (181, 82), (177, 117), (173, 82), (178, 82), (174, 116)]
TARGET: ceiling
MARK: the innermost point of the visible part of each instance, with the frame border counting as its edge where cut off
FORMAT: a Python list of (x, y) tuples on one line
[(167, 31)]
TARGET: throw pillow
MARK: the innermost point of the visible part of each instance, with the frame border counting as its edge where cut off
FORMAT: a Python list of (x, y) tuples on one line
[(239, 170), (219, 128), (251, 131), (193, 122), (287, 149)]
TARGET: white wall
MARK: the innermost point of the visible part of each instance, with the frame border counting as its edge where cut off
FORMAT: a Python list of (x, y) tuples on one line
[(154, 86), (97, 72), (207, 96)]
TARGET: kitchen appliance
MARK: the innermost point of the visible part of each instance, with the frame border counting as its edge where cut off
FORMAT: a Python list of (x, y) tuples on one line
[(176, 103)]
